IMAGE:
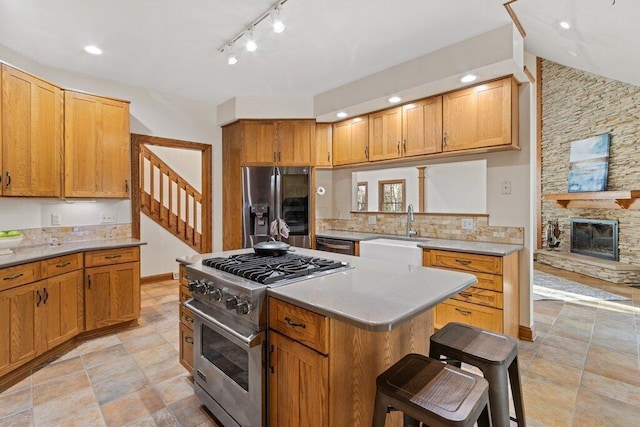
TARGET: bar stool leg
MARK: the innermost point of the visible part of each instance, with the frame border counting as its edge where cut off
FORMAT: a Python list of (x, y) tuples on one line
[(516, 392), (379, 411), (485, 418), (498, 386), (410, 421)]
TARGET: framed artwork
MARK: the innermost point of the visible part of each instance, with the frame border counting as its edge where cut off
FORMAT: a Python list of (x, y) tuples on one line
[(589, 164)]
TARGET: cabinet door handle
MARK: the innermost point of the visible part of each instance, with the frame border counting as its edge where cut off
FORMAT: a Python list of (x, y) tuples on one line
[(466, 294), (89, 281), (295, 325), (270, 359), (279, 156), (39, 298), (46, 295), (126, 185), (188, 340), (404, 145), (64, 264), (328, 156), (188, 319), (13, 277), (112, 256), (274, 156), (463, 312), (398, 148), (445, 139), (366, 152), (8, 182), (463, 261)]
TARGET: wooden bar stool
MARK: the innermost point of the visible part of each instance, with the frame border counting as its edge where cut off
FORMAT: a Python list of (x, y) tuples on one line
[(434, 393), (495, 355)]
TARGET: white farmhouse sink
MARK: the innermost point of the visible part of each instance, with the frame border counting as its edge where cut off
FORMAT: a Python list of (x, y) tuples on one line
[(393, 250)]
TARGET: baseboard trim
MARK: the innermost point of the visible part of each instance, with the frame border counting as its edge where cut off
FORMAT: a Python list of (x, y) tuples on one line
[(156, 278), (527, 333)]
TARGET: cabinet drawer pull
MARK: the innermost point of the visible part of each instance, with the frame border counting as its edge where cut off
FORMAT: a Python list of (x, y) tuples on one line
[(463, 312), (188, 340), (295, 325), (466, 294), (15, 276), (463, 261), (188, 319), (8, 182), (64, 264), (112, 256)]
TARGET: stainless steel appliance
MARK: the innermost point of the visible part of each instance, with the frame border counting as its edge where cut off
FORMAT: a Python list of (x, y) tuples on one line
[(347, 247), (229, 296), (269, 193)]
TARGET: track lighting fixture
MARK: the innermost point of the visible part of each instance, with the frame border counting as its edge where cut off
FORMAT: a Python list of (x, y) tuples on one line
[(274, 13)]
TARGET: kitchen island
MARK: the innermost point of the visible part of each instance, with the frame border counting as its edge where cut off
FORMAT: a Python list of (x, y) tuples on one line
[(329, 337)]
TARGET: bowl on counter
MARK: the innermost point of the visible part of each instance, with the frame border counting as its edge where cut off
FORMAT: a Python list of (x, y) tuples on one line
[(7, 243)]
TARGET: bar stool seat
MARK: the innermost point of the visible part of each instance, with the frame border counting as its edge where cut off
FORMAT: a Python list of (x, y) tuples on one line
[(431, 392), (495, 355)]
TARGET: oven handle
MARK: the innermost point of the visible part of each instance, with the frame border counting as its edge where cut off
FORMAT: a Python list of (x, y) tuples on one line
[(250, 341)]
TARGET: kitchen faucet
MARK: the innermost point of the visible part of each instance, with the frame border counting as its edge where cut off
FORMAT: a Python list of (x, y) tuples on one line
[(410, 219)]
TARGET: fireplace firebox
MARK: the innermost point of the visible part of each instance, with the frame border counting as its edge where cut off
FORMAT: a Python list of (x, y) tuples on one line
[(595, 237)]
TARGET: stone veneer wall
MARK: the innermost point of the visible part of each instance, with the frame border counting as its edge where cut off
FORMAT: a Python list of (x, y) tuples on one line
[(78, 233), (440, 226), (578, 105)]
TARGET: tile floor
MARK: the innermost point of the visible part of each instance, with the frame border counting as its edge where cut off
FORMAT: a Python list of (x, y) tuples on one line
[(582, 370)]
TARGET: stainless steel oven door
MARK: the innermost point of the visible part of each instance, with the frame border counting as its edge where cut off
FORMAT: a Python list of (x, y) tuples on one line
[(228, 366)]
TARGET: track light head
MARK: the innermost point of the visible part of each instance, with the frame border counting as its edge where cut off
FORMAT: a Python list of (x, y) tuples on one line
[(278, 25)]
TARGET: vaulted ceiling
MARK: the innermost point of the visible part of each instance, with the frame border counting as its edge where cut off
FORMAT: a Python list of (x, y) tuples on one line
[(172, 45)]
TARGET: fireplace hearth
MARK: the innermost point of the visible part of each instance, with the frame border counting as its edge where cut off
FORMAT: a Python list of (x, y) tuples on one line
[(595, 237)]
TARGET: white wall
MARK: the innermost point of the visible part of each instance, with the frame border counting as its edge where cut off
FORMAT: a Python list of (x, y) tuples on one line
[(152, 113)]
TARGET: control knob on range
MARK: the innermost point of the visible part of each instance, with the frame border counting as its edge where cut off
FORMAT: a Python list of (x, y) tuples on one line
[(232, 302), (216, 295), (243, 307), (197, 286)]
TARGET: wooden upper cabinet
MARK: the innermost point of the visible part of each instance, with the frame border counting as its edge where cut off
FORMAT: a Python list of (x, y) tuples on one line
[(97, 147), (31, 136), (351, 141), (385, 134), (277, 142), (481, 116), (323, 147), (258, 142), (422, 127), (294, 139)]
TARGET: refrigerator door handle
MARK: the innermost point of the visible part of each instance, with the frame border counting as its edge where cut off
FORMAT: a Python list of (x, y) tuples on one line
[(278, 199)]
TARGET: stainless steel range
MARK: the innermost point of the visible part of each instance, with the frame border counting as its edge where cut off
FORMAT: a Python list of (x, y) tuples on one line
[(229, 296)]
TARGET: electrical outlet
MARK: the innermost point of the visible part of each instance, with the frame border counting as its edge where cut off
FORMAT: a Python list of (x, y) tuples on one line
[(108, 218), (56, 219), (506, 187), (467, 224), (175, 275), (372, 219)]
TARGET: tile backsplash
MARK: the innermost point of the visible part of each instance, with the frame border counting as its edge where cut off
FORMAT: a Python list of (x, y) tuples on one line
[(58, 235), (437, 226)]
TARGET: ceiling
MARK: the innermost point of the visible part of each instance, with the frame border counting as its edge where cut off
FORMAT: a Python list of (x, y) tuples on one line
[(172, 45)]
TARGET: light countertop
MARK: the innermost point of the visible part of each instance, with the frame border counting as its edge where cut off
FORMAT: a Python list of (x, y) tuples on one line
[(483, 248), (373, 295), (38, 253)]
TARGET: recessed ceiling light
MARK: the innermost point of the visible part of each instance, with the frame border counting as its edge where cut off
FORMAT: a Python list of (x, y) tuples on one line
[(565, 25), (468, 78), (395, 99), (94, 50), (341, 114)]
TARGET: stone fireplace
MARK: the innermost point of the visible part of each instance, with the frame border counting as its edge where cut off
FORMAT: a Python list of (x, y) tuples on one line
[(595, 237)]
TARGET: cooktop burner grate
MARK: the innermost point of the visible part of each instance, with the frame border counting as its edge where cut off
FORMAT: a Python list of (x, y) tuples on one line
[(272, 269)]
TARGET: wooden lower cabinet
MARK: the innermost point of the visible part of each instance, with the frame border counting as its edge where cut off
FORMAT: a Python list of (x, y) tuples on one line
[(61, 310), (299, 385), (335, 385), (17, 326), (186, 347), (185, 322), (112, 294), (492, 303)]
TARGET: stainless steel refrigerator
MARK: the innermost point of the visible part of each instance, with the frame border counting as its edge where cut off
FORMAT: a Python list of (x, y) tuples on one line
[(271, 193)]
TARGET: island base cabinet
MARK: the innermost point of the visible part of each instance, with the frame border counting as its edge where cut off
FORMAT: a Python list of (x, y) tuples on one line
[(298, 384), (112, 294)]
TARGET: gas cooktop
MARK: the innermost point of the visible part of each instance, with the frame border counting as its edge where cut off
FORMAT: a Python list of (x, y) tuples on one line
[(271, 270)]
